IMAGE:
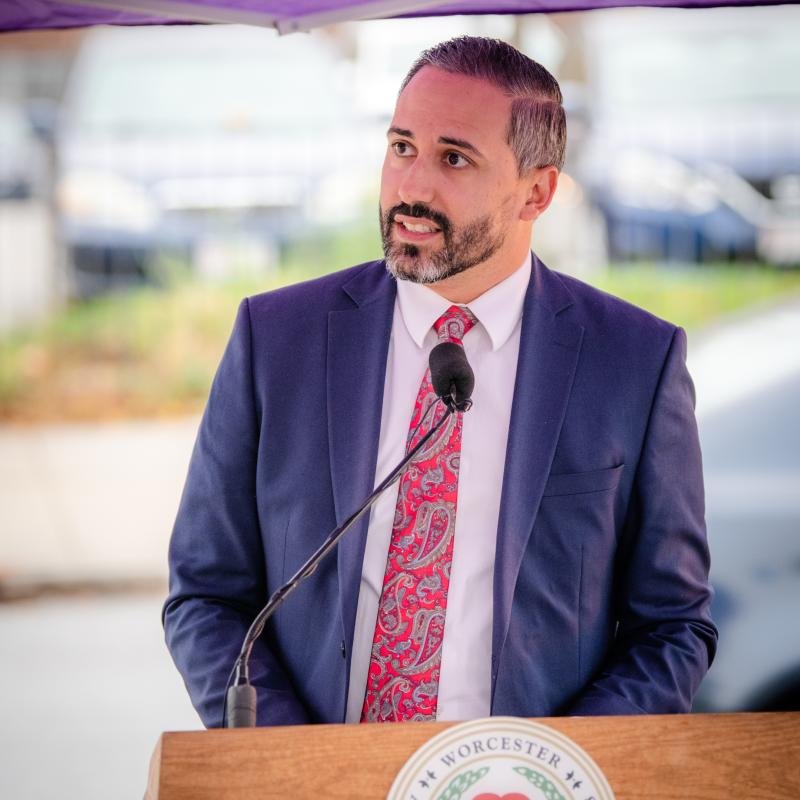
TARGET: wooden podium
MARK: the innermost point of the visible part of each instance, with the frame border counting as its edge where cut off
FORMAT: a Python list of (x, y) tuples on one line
[(700, 757)]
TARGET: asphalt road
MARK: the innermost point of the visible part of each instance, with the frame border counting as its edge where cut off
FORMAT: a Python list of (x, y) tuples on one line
[(86, 688)]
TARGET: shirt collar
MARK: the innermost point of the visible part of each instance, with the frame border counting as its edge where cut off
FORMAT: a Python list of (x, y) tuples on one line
[(498, 309)]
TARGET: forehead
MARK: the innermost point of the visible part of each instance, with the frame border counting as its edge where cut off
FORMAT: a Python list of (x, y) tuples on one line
[(439, 103)]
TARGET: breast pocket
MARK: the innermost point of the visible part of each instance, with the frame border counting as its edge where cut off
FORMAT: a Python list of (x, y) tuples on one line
[(598, 480)]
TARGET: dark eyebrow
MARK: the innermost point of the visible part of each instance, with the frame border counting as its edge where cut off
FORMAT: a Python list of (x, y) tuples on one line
[(401, 132)]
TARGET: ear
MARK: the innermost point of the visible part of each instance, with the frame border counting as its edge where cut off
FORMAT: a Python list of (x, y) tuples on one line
[(540, 184)]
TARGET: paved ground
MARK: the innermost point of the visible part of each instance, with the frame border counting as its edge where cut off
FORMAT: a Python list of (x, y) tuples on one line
[(90, 503), (86, 688), (86, 683)]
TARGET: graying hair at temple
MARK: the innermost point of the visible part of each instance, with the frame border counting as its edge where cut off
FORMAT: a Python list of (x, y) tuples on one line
[(537, 128)]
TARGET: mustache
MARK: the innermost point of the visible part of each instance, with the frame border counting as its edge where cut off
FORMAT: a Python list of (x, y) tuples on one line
[(419, 210)]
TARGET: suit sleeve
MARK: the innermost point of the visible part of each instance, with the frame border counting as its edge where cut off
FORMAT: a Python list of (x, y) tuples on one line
[(665, 639), (217, 576)]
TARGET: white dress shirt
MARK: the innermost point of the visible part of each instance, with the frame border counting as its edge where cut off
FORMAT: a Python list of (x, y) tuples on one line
[(492, 347)]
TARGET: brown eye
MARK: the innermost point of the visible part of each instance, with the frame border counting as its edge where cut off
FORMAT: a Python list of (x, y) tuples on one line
[(456, 160)]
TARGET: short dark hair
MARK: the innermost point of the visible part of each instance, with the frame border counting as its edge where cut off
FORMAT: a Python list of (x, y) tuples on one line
[(537, 128)]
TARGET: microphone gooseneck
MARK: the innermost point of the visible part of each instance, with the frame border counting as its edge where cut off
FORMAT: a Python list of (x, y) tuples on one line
[(453, 381)]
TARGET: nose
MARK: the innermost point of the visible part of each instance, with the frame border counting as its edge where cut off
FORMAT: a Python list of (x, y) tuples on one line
[(417, 183)]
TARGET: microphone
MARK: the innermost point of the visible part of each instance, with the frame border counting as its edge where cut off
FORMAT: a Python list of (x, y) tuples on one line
[(453, 381), (451, 375)]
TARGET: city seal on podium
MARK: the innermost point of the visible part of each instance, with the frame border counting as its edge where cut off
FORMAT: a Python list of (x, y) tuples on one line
[(500, 758)]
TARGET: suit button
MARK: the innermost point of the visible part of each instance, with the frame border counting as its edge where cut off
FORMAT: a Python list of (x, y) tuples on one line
[(343, 649)]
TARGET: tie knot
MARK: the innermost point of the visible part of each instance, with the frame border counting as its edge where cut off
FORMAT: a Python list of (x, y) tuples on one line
[(453, 325)]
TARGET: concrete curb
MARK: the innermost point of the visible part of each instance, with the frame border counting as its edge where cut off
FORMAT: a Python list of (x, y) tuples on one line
[(90, 504)]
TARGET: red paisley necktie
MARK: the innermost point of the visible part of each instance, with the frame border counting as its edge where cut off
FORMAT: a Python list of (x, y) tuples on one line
[(403, 678)]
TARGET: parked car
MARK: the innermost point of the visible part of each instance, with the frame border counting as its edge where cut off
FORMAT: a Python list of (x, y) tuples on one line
[(748, 383), (205, 141), (694, 151)]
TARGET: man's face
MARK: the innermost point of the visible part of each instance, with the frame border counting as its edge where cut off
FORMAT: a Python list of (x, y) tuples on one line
[(450, 190)]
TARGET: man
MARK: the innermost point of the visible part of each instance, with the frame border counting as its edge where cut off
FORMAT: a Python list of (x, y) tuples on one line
[(547, 555)]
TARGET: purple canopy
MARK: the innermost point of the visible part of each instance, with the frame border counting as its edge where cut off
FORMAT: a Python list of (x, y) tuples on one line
[(290, 15)]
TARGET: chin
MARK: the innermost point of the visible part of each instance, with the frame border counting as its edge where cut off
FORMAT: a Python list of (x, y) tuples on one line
[(415, 268)]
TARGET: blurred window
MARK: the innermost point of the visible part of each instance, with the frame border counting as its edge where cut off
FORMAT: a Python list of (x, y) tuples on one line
[(205, 91)]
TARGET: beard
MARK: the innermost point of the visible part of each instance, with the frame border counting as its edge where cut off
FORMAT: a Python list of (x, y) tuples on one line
[(463, 248)]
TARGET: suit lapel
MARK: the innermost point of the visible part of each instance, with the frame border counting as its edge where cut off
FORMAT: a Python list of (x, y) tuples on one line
[(548, 356), (358, 342)]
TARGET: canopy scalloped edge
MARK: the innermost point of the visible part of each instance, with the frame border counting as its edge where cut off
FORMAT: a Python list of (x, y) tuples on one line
[(288, 16)]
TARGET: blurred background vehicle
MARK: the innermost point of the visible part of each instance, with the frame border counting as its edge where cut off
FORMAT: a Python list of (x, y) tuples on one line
[(214, 144), (694, 149), (747, 374)]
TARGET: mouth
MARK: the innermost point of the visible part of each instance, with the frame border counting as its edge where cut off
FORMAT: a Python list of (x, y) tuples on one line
[(415, 229)]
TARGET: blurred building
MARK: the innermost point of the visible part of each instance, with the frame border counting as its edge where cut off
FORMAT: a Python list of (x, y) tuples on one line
[(215, 144), (33, 70)]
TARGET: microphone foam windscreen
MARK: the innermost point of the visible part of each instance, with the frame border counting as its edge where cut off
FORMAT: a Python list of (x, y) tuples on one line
[(450, 368)]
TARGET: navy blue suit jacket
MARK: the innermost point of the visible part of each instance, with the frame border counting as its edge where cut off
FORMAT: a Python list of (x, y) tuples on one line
[(600, 588)]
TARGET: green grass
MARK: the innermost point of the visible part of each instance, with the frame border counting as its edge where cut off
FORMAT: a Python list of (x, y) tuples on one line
[(153, 351), (695, 295)]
